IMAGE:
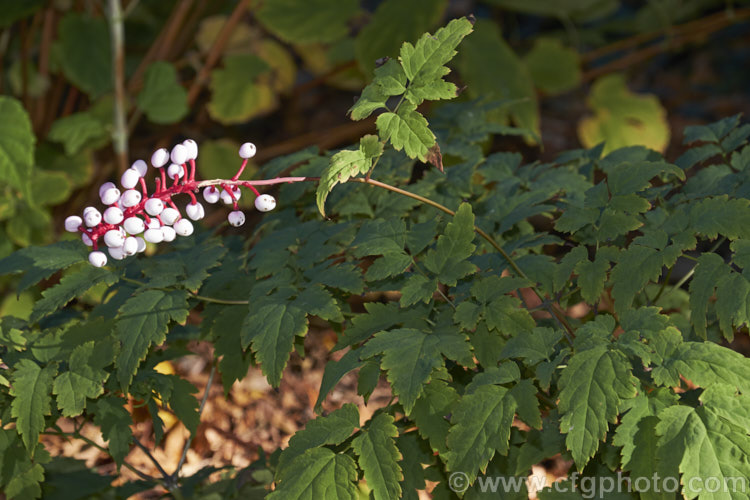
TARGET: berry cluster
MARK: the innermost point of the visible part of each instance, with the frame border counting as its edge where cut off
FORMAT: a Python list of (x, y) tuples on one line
[(134, 217)]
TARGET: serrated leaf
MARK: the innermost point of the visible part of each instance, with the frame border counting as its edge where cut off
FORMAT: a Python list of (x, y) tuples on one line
[(407, 130), (507, 315), (378, 457), (481, 425), (732, 293), (534, 346), (392, 23), (417, 288), (593, 386), (591, 278), (449, 258), (71, 286), (431, 411), (317, 301), (162, 98), (184, 404), (85, 52), (114, 421), (16, 145), (143, 321), (39, 263), (416, 454), (701, 446), (704, 364), (335, 371), (721, 215), (332, 429), (632, 177), (85, 376), (306, 21), (713, 132), (635, 267), (235, 95), (224, 329), (270, 330), (318, 473), (409, 357), (567, 264), (31, 388), (345, 164), (709, 269)]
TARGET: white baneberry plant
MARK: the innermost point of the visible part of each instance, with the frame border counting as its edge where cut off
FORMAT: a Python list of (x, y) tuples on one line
[(133, 217)]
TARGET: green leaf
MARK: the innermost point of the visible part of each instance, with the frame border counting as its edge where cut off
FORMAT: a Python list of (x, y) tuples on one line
[(417, 288), (554, 68), (431, 411), (85, 376), (407, 130), (77, 130), (335, 371), (306, 21), (591, 278), (701, 445), (114, 421), (71, 286), (271, 330), (395, 22), (184, 404), (162, 98), (594, 383), (143, 321), (623, 118), (235, 97), (21, 474), (524, 392), (317, 301), (234, 361), (732, 293), (704, 364), (409, 357), (39, 263), (578, 10), (50, 188), (85, 53), (481, 425), (713, 132), (378, 457), (508, 316), (449, 259), (318, 473), (332, 429), (345, 164), (492, 70), (721, 215), (534, 346), (31, 389), (16, 145), (635, 267), (631, 177)]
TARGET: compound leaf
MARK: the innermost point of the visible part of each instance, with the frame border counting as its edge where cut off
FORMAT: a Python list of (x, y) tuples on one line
[(85, 376), (407, 129), (318, 473), (69, 287), (114, 421), (449, 259), (31, 388)]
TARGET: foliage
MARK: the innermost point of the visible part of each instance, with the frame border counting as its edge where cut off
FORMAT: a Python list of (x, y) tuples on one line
[(486, 255)]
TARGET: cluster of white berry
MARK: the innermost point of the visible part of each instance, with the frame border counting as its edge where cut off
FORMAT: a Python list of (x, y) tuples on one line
[(133, 218)]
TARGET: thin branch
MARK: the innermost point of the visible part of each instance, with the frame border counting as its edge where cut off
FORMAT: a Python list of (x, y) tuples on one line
[(120, 130), (189, 441), (153, 460)]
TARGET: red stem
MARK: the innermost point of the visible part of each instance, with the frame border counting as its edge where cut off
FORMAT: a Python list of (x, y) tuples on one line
[(239, 172)]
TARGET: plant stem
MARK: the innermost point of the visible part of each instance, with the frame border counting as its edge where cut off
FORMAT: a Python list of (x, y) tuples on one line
[(151, 457), (189, 441), (120, 130)]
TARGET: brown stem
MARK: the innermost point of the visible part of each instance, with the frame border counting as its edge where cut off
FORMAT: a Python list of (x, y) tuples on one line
[(216, 50), (120, 130), (48, 33)]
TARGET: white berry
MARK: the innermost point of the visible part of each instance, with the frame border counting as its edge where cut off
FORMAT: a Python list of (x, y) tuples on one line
[(113, 215), (169, 216), (175, 170), (134, 225), (183, 227), (153, 235), (130, 198), (195, 211), (211, 194), (141, 244), (160, 158), (105, 186), (168, 233), (113, 238), (92, 216), (247, 150), (179, 154), (192, 148), (72, 223), (154, 206), (227, 198), (87, 240), (154, 224), (129, 178), (265, 203), (97, 259), (116, 253), (140, 166), (110, 196), (236, 218), (130, 246)]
